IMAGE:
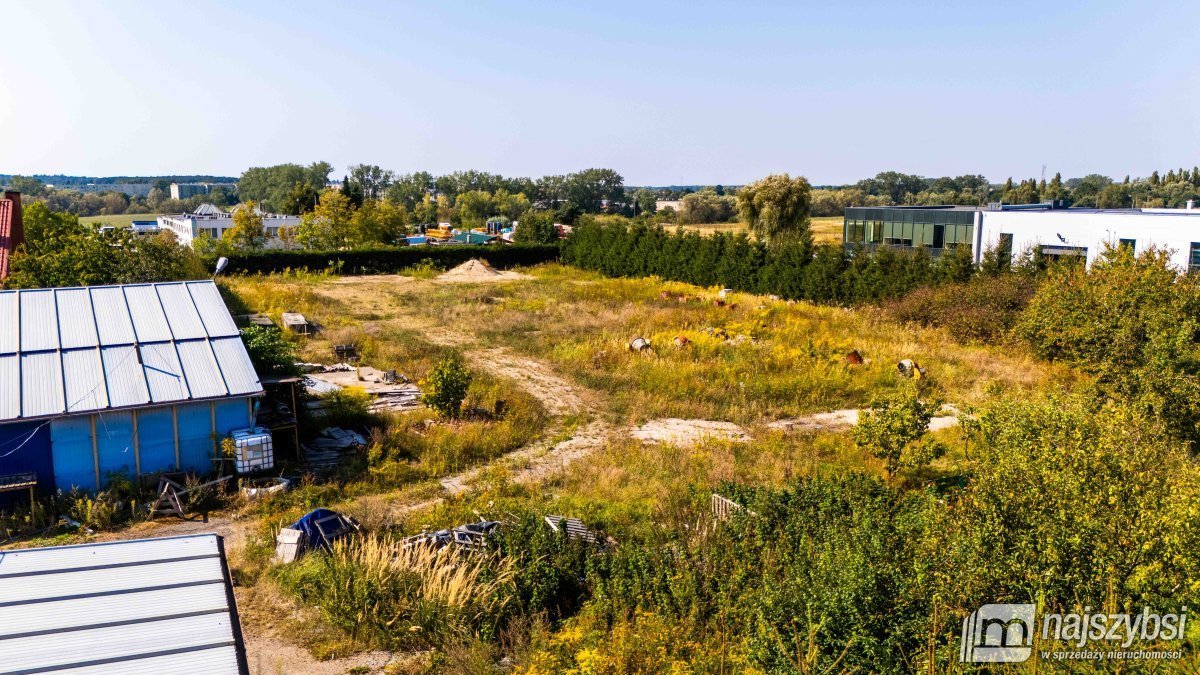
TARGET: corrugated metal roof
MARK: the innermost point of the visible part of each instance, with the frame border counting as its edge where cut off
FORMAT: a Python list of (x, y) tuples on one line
[(149, 320), (201, 369), (82, 374), (185, 322), (164, 376), (10, 320), (41, 384), (149, 606), (158, 343), (75, 302), (39, 320), (240, 378), (124, 376), (212, 310), (112, 316), (10, 386)]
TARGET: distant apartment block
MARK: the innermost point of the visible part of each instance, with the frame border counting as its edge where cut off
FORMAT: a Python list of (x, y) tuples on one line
[(211, 221), (187, 190)]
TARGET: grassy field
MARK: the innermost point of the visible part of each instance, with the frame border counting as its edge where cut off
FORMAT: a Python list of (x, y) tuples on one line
[(825, 229), (551, 361), (780, 360), (122, 220)]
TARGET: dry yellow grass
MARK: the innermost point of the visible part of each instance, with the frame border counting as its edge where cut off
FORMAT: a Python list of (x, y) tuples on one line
[(788, 360), (825, 229)]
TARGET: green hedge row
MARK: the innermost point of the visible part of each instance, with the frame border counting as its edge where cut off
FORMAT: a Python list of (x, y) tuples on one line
[(388, 260), (826, 273)]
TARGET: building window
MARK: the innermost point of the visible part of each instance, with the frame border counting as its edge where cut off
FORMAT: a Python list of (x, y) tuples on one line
[(1064, 253), (1194, 258), (1130, 244), (1004, 248)]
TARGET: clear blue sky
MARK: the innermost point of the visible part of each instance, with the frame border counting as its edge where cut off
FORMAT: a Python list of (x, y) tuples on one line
[(662, 92)]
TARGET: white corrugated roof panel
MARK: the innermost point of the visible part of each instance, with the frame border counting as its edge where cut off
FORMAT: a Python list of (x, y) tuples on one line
[(158, 343), (164, 374), (212, 309), (149, 322), (199, 662), (235, 363), (181, 312), (39, 321), (41, 384), (83, 375), (10, 386), (203, 377), (10, 322), (112, 316), (148, 606), (76, 320), (123, 375)]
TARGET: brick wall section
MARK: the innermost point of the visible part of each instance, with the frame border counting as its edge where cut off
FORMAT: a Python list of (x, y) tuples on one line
[(12, 229)]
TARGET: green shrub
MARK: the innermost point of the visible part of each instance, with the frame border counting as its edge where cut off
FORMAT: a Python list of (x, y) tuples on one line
[(826, 273), (348, 407), (269, 350), (984, 310), (893, 429), (1131, 321), (446, 387)]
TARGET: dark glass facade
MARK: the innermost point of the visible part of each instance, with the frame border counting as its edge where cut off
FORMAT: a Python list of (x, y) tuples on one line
[(935, 229)]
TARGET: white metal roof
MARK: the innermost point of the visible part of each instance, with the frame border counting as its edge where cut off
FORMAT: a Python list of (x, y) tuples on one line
[(144, 606), (79, 350)]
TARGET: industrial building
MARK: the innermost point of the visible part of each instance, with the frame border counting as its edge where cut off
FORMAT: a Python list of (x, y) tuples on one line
[(212, 221), (1052, 228), (137, 379)]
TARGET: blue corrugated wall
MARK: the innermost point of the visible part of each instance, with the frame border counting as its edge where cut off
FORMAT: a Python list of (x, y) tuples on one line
[(25, 447), (156, 439), (71, 444), (114, 444), (195, 437), (62, 455)]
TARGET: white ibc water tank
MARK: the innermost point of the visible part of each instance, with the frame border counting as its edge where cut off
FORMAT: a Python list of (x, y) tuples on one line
[(253, 450)]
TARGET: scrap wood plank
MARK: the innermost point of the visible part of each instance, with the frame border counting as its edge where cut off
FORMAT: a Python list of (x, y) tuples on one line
[(574, 527), (723, 508), (169, 503)]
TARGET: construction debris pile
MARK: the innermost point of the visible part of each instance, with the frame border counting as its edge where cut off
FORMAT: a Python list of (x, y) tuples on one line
[(327, 449), (391, 391), (473, 536)]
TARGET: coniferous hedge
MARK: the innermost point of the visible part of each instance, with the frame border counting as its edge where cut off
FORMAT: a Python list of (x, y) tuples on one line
[(826, 273), (388, 260)]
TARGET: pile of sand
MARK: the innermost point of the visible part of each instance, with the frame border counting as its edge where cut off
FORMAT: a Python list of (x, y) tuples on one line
[(476, 270)]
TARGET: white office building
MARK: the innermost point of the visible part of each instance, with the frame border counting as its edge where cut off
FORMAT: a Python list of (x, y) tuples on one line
[(212, 221), (1013, 229)]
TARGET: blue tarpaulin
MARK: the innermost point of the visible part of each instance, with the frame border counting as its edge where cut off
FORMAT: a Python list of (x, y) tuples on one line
[(322, 527)]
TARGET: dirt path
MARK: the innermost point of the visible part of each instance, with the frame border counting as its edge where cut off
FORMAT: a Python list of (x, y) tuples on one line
[(848, 417), (269, 653)]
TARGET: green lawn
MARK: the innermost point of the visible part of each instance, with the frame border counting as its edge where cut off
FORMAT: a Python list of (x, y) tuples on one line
[(122, 220)]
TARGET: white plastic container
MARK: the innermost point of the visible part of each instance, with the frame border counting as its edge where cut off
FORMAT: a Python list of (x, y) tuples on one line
[(253, 450)]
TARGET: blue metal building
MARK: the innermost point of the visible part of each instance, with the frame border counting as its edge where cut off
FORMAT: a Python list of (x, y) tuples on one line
[(136, 379)]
